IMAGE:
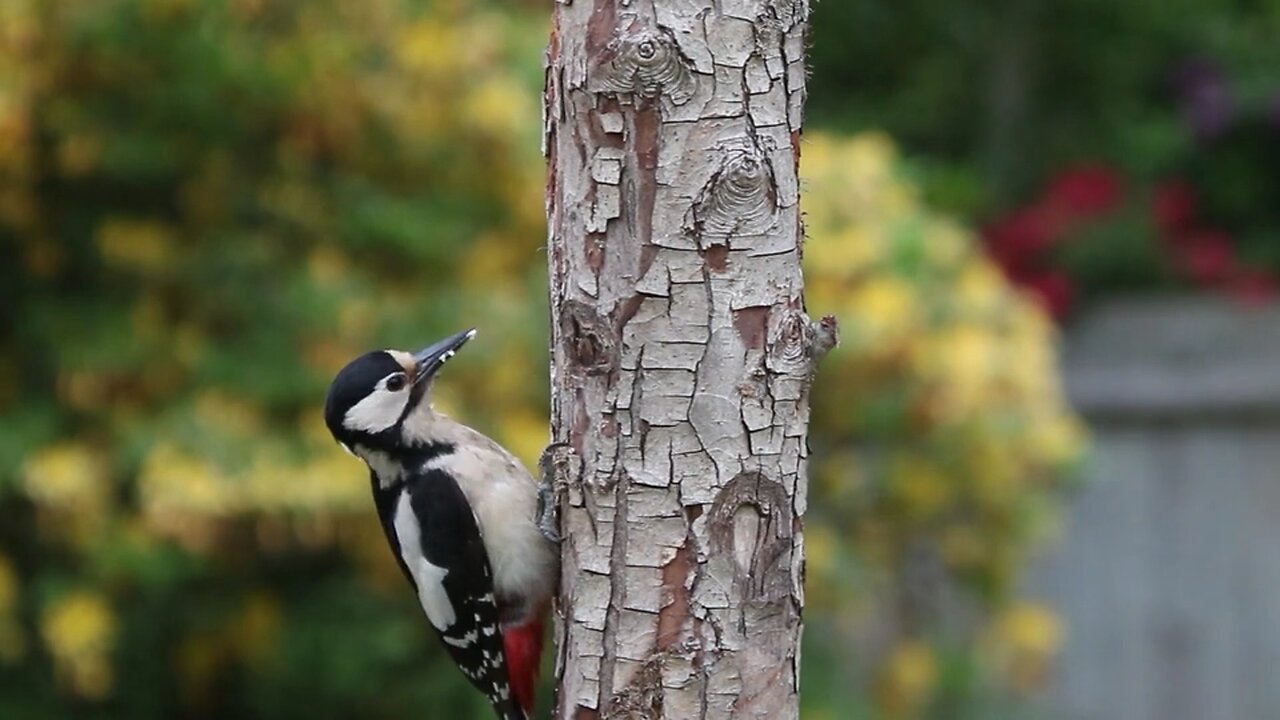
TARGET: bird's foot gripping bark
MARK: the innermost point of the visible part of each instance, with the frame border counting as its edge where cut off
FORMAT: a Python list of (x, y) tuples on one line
[(552, 467)]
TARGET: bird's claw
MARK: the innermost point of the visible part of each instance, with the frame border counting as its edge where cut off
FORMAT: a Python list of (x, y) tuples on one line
[(547, 515), (550, 468)]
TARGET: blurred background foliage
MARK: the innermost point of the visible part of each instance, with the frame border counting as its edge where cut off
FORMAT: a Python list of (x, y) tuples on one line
[(207, 206), (206, 209), (1104, 147), (939, 460)]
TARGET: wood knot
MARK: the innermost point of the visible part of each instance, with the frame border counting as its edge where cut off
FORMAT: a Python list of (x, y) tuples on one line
[(740, 199), (751, 523), (790, 343), (587, 339), (644, 63)]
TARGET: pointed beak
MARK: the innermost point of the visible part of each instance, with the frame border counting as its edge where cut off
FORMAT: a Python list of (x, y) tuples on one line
[(429, 359)]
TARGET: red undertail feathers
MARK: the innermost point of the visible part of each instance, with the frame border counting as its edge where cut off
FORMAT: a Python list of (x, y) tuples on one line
[(523, 646)]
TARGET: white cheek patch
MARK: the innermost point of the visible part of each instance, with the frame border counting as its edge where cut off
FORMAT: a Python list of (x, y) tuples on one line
[(376, 412), (427, 576)]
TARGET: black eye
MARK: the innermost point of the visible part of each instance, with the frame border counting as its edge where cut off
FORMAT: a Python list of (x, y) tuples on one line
[(395, 383)]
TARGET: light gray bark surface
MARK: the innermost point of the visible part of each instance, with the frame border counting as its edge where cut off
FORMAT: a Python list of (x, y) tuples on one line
[(682, 355)]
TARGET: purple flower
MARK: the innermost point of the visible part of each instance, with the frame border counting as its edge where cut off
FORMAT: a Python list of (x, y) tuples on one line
[(1204, 98)]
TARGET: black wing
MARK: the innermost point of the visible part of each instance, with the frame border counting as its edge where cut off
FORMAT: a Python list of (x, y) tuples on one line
[(449, 538)]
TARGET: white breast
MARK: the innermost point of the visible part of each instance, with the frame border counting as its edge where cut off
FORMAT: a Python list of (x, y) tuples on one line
[(504, 497), (428, 576)]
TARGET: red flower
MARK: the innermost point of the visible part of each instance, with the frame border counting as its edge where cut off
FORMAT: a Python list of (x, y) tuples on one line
[(1173, 206), (1085, 191), (1022, 237), (1053, 290), (1206, 257)]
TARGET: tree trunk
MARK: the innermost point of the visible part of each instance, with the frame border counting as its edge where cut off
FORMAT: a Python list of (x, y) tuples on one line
[(681, 355)]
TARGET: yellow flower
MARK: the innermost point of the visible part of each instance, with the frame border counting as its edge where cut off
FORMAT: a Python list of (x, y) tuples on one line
[(80, 630), (947, 245), (1025, 639), (225, 413), (489, 256), (997, 474), (497, 106), (910, 676), (67, 476), (429, 47), (980, 288), (174, 482), (922, 488), (1058, 440), (1032, 628), (843, 253), (966, 357), (327, 265), (820, 547), (871, 157), (145, 245), (883, 308)]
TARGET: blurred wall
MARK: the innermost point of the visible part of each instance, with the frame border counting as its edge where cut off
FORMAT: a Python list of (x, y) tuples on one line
[(1168, 578)]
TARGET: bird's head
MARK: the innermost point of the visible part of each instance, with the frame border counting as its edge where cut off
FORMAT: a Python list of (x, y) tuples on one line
[(372, 396)]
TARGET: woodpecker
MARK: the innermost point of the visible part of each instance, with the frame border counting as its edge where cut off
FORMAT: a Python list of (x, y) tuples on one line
[(466, 521)]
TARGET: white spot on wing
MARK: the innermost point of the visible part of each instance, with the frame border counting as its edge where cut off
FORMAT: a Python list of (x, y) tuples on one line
[(428, 576), (465, 641)]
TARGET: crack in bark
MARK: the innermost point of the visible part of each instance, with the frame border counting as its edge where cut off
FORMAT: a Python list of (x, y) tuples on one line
[(617, 588)]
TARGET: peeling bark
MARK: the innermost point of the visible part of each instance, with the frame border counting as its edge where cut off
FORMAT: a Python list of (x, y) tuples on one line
[(681, 355)]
